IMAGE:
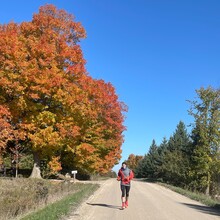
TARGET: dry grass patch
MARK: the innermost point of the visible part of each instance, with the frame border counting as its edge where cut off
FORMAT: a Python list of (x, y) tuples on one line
[(20, 196)]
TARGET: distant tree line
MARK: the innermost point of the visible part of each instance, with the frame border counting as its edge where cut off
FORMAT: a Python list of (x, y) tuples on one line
[(192, 160)]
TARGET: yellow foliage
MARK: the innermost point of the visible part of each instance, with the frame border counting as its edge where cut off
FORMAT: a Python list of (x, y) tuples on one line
[(55, 165)]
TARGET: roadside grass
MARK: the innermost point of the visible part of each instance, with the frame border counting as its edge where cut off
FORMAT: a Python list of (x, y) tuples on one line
[(62, 207), (204, 199), (23, 195)]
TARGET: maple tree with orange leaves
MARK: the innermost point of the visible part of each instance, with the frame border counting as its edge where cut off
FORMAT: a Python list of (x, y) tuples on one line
[(6, 131), (133, 161), (50, 99)]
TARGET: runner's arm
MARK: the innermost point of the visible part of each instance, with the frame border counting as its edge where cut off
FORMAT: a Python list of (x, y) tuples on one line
[(119, 176)]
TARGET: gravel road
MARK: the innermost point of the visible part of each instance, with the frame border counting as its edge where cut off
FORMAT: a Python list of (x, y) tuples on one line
[(148, 201)]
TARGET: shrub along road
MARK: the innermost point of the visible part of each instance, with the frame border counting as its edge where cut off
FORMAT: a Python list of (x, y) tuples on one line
[(148, 201)]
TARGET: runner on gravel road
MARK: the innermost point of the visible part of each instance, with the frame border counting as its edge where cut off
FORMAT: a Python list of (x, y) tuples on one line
[(125, 175)]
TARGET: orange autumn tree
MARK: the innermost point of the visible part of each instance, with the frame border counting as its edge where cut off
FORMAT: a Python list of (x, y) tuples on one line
[(133, 161), (9, 137), (6, 131), (39, 61), (54, 104), (101, 125), (35, 59)]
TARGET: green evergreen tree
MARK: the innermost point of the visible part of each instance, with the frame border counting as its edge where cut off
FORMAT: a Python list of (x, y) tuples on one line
[(140, 170), (148, 166), (153, 160), (176, 158), (162, 151), (205, 167)]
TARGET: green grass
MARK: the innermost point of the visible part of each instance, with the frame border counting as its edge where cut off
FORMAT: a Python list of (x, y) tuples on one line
[(62, 207)]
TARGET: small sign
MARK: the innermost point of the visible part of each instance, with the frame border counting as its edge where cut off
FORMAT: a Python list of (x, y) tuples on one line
[(74, 172)]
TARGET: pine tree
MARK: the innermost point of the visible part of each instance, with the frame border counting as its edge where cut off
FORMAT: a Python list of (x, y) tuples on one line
[(176, 159), (162, 151), (148, 166), (206, 139)]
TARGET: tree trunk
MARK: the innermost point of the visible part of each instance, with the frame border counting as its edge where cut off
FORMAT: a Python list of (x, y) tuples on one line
[(16, 164), (36, 169), (1, 159), (208, 186)]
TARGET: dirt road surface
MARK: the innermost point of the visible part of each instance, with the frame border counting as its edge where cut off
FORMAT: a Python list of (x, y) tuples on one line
[(148, 201)]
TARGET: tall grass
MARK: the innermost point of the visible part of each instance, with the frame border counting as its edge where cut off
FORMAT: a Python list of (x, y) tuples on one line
[(19, 196), (60, 208)]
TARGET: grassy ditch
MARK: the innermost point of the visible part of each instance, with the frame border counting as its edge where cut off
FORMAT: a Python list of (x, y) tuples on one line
[(62, 207), (21, 196), (204, 199)]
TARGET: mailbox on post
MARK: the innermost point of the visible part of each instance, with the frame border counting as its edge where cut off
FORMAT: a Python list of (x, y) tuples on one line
[(74, 172)]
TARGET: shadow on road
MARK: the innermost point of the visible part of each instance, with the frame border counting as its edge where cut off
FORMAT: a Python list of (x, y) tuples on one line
[(205, 209), (104, 205)]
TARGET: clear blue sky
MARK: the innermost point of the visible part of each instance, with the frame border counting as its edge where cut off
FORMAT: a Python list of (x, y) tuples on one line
[(156, 53)]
